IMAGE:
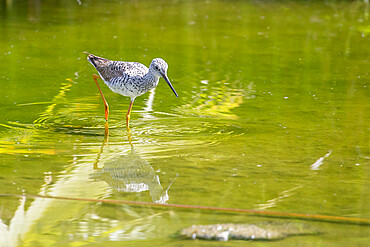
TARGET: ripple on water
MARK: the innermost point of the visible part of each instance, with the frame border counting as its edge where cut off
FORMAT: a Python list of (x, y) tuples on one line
[(197, 130)]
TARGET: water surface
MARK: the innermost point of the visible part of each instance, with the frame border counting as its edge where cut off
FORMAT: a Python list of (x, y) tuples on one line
[(272, 115)]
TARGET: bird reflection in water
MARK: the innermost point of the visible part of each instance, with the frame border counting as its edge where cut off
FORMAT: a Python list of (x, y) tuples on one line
[(130, 173)]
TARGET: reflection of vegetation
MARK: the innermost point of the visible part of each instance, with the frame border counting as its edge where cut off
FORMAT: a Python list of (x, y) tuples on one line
[(26, 133), (274, 202), (24, 229), (59, 98), (217, 101)]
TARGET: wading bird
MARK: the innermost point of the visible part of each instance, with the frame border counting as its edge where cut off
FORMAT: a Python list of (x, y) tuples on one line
[(130, 79)]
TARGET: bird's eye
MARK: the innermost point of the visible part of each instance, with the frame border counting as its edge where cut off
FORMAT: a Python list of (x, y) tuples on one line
[(156, 67)]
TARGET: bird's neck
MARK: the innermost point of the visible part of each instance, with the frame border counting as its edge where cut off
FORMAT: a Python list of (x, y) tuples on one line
[(152, 79)]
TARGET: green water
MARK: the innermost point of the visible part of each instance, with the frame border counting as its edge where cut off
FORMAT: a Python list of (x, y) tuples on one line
[(272, 114)]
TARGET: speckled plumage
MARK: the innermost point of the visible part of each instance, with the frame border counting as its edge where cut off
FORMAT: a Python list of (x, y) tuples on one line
[(130, 79)]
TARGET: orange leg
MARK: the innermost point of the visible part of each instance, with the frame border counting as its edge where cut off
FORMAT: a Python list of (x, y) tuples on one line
[(106, 107), (128, 115)]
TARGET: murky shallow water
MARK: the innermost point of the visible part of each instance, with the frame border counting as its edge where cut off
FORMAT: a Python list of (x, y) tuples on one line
[(272, 115)]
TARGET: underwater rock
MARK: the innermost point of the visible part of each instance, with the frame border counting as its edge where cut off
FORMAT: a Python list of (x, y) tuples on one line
[(257, 231)]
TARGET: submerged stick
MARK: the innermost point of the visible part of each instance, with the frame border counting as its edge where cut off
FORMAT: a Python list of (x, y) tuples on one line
[(328, 218)]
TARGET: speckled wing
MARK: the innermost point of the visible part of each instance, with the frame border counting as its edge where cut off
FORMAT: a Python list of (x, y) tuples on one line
[(120, 68), (112, 69)]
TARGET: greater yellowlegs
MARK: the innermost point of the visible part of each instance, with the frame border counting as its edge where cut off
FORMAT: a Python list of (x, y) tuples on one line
[(130, 79)]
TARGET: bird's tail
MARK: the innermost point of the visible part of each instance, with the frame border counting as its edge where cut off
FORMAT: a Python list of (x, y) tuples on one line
[(95, 60)]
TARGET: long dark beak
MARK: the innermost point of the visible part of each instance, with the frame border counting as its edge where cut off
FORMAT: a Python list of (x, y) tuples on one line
[(169, 84)]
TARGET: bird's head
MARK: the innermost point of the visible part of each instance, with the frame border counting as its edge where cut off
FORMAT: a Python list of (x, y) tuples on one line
[(159, 68)]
